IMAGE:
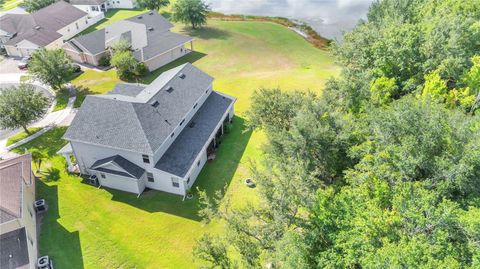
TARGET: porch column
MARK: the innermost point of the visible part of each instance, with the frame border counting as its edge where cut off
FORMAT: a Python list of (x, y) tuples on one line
[(191, 45), (69, 161)]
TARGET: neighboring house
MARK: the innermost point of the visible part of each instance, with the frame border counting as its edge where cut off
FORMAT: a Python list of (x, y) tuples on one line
[(148, 34), (94, 6), (18, 229), (49, 27), (155, 136)]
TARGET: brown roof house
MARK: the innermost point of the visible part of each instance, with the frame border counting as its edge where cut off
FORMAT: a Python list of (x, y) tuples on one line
[(49, 27), (148, 34), (18, 232)]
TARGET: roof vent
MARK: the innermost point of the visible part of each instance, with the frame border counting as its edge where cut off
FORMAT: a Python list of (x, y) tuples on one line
[(37, 27), (182, 75), (150, 28), (170, 89), (155, 104), (140, 17)]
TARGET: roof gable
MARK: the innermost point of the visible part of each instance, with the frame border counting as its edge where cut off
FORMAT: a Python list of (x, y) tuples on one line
[(119, 166)]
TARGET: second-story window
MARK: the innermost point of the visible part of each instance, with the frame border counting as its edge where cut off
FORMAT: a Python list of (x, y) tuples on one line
[(150, 177), (195, 106), (146, 159)]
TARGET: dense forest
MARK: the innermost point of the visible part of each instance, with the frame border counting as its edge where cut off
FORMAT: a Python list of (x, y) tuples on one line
[(380, 171)]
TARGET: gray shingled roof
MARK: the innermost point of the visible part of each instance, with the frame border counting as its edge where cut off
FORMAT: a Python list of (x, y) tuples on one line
[(131, 169), (159, 40), (87, 2), (50, 19), (180, 156), (127, 89), (14, 249), (132, 123), (13, 172)]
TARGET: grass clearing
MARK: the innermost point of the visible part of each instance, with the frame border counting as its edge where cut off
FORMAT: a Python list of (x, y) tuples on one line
[(88, 227), (17, 137)]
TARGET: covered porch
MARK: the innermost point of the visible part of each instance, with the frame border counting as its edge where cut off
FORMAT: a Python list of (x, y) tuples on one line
[(67, 153)]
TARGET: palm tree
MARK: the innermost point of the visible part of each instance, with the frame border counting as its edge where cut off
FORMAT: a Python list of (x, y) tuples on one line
[(37, 158)]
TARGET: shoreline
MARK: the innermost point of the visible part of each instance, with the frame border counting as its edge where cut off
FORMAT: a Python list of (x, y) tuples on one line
[(301, 29)]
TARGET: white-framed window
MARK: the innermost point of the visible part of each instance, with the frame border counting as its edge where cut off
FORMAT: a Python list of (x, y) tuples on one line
[(175, 182), (150, 177), (146, 159), (102, 175)]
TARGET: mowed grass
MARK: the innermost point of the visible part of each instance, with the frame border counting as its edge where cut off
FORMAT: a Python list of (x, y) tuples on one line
[(87, 227), (21, 135)]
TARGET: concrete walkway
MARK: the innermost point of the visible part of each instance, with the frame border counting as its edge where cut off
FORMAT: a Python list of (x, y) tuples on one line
[(62, 117)]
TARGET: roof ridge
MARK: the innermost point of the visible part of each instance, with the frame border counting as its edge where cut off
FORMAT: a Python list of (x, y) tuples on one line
[(141, 126)]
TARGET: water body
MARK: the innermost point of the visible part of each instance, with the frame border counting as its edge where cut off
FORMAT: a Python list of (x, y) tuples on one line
[(330, 18)]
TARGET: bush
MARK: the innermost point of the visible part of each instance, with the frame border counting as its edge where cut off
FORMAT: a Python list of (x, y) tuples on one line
[(141, 70), (105, 60)]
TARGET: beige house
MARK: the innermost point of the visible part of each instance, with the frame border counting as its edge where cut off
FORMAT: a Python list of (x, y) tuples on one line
[(49, 27), (148, 35), (18, 230)]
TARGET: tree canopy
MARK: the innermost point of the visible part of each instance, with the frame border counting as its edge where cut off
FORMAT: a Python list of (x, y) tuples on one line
[(380, 171), (192, 12), (51, 67), (21, 105), (34, 5), (152, 4)]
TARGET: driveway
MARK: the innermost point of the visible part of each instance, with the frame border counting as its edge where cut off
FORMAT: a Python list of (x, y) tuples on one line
[(8, 65)]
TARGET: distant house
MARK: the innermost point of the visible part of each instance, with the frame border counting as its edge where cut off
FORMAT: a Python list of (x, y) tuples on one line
[(18, 230), (156, 136), (49, 27), (148, 34), (94, 6)]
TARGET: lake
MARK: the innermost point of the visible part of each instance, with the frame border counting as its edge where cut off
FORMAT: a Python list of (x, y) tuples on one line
[(328, 17)]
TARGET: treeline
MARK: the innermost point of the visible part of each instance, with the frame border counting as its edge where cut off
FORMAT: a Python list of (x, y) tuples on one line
[(380, 171)]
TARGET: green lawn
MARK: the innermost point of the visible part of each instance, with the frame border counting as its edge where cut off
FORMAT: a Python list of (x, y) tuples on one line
[(15, 138), (9, 4), (87, 227)]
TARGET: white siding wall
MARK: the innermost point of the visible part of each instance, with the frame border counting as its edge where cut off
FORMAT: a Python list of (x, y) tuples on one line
[(120, 4), (163, 182), (196, 168), (71, 30), (23, 48), (122, 183), (163, 59), (163, 148)]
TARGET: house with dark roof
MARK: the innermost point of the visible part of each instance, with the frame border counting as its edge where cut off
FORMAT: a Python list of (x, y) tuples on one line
[(49, 27), (18, 229), (148, 34), (156, 136)]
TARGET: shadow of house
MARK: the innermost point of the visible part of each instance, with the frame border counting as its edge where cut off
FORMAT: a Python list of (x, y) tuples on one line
[(62, 246), (213, 177)]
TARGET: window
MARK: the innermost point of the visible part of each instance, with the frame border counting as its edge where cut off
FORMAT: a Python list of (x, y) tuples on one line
[(76, 25), (182, 122), (195, 106), (150, 177), (198, 164), (172, 135), (188, 180), (175, 182), (102, 175), (155, 104), (146, 159), (86, 21)]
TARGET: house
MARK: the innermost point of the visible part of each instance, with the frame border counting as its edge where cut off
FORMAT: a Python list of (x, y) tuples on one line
[(49, 27), (18, 229), (156, 136), (148, 34), (94, 6)]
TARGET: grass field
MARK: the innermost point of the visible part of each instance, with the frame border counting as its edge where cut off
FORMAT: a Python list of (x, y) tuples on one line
[(9, 4), (15, 138), (87, 227)]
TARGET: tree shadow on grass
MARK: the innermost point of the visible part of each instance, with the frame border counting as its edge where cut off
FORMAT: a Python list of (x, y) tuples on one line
[(81, 92), (62, 246), (206, 33), (213, 177), (52, 174)]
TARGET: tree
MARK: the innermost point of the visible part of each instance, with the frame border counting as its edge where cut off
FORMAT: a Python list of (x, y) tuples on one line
[(125, 64), (34, 5), (152, 4), (193, 12), (37, 157), (51, 67), (20, 106)]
